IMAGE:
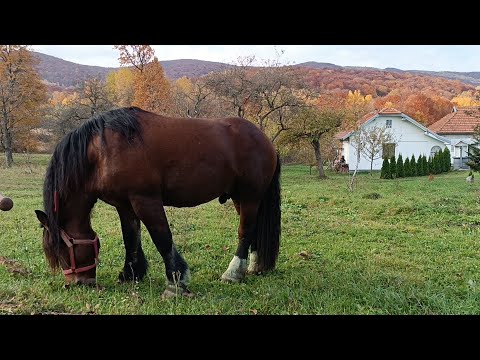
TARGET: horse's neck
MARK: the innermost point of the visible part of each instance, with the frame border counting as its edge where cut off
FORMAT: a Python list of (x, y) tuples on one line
[(76, 220)]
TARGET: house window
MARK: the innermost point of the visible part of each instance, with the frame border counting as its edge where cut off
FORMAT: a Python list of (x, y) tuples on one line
[(388, 150), (434, 150), (388, 123)]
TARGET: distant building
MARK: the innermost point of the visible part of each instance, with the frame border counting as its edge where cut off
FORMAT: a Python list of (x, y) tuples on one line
[(412, 138), (459, 127)]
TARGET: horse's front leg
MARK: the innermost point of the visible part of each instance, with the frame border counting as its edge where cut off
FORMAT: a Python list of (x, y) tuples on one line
[(151, 212), (135, 267)]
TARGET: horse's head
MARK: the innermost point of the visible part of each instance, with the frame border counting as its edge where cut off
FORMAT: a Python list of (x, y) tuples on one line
[(77, 256)]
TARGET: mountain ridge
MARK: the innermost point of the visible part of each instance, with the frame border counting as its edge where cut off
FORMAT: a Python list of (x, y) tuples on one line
[(67, 74)]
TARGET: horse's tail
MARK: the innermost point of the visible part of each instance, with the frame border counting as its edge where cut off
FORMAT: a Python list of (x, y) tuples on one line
[(268, 225)]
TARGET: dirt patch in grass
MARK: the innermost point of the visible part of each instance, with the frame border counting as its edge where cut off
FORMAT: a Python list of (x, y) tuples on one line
[(13, 266), (8, 306)]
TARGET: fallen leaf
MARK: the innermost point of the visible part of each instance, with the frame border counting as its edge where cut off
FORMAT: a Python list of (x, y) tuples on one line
[(305, 254), (254, 311)]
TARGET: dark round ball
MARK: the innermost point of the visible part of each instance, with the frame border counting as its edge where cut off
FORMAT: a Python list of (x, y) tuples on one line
[(6, 204)]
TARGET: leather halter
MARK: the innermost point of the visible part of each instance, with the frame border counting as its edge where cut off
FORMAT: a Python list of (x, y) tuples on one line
[(70, 242)]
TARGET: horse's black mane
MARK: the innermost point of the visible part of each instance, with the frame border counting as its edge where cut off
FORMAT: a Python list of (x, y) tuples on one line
[(69, 168)]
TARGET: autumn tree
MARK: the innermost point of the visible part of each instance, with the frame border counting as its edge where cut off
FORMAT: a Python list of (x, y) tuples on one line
[(21, 95), (369, 142), (194, 98), (64, 114), (234, 84), (152, 89), (137, 56), (356, 106), (120, 87), (276, 89), (94, 96), (310, 125)]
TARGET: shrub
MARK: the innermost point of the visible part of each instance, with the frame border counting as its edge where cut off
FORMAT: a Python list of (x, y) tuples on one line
[(447, 162), (413, 166), (385, 172), (400, 169), (393, 167), (425, 165), (406, 167)]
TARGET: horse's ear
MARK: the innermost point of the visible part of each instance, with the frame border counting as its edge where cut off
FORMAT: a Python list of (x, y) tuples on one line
[(42, 217)]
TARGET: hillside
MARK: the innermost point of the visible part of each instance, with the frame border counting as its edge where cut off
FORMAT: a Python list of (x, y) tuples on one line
[(472, 78), (67, 74)]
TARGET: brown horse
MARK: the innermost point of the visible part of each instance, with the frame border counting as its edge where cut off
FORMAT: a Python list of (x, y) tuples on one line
[(139, 162)]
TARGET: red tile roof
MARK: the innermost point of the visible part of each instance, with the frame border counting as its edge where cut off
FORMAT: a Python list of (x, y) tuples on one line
[(463, 121), (387, 111)]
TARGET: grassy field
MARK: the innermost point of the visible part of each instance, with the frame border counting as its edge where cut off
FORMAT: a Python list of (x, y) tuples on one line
[(408, 246)]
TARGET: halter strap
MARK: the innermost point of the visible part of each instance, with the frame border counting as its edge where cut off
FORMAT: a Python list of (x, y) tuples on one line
[(70, 242)]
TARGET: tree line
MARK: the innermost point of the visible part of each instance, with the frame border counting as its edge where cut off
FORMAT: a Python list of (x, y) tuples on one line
[(300, 118)]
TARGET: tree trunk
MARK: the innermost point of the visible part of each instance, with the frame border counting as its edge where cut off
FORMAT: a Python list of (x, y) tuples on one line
[(351, 185), (371, 166), (318, 158), (7, 143)]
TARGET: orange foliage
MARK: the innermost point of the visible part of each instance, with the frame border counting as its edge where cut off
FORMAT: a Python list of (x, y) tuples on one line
[(425, 98), (152, 89)]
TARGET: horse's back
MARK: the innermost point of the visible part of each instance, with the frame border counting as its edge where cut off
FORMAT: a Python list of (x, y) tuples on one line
[(187, 161)]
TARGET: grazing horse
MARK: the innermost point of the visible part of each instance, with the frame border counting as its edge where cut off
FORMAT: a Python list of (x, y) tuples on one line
[(139, 162)]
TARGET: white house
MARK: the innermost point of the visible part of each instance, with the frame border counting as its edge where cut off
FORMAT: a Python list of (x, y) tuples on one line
[(458, 127), (412, 138)]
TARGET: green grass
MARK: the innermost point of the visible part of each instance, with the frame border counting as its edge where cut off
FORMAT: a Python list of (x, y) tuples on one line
[(406, 246)]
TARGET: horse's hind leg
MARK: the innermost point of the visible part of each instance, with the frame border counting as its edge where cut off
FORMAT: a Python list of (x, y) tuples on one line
[(151, 213), (136, 265), (246, 231)]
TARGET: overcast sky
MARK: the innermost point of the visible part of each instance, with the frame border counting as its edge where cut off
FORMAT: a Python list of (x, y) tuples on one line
[(405, 57)]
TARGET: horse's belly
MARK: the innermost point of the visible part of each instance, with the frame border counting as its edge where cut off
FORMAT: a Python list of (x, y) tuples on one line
[(189, 198)]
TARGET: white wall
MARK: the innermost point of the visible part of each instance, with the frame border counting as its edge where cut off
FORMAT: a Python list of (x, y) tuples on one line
[(411, 140), (455, 139)]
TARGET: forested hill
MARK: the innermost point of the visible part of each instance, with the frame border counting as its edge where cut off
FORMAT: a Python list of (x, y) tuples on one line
[(68, 74)]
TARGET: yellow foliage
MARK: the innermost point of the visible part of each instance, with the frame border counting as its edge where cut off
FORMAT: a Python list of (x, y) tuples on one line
[(356, 98), (120, 86), (70, 99), (465, 101), (185, 85)]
